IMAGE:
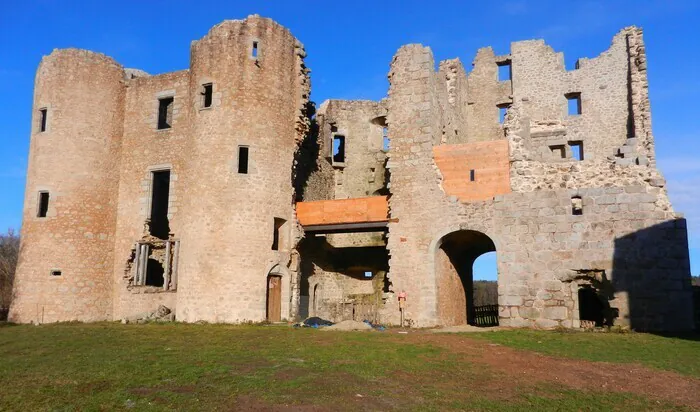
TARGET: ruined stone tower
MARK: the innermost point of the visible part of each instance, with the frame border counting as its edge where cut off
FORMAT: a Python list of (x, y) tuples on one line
[(72, 185), (210, 191), (210, 148)]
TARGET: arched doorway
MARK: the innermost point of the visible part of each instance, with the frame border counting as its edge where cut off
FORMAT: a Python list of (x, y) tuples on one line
[(454, 271), (274, 298)]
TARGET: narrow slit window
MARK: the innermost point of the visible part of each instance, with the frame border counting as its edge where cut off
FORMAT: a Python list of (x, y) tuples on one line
[(574, 103), (55, 272), (254, 52), (207, 94), (43, 207), (338, 149), (165, 112), (160, 197), (385, 139), (43, 113), (505, 71), (576, 206), (243, 159), (576, 150), (472, 175), (502, 109), (277, 235), (558, 151)]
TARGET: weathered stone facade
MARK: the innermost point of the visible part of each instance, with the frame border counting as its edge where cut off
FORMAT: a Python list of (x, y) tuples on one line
[(572, 203)]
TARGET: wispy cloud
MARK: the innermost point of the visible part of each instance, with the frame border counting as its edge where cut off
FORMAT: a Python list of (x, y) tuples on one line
[(584, 18), (515, 8)]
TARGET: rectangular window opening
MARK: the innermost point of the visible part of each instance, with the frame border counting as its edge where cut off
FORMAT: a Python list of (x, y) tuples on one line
[(368, 275), (574, 103), (502, 109), (576, 206), (42, 119), (43, 208), (243, 159), (338, 149), (255, 49), (558, 151), (472, 175), (207, 94), (504, 71), (55, 272), (576, 150), (160, 195), (165, 113), (278, 224), (385, 139)]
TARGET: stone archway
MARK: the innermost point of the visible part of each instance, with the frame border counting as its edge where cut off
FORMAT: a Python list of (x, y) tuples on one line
[(278, 276), (455, 253)]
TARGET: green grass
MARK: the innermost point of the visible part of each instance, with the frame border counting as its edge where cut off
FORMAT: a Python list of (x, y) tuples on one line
[(678, 354), (209, 367)]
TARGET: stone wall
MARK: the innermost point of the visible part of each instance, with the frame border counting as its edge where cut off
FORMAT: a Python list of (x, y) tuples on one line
[(145, 150), (558, 224), (567, 224)]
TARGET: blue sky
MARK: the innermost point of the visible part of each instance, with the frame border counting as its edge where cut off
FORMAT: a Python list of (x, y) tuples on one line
[(349, 46)]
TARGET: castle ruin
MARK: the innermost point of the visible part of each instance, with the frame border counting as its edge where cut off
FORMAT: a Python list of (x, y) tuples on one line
[(220, 192)]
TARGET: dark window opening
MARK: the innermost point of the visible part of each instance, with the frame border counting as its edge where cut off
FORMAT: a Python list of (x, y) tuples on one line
[(574, 103), (155, 275), (56, 273), (243, 159), (576, 206), (278, 223), (590, 306), (165, 112), (338, 149), (43, 208), (207, 94), (576, 150), (42, 119), (255, 49), (160, 193), (472, 175), (502, 109), (558, 151), (505, 71)]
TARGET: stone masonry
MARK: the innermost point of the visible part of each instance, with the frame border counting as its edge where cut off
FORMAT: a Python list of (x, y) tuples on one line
[(180, 189)]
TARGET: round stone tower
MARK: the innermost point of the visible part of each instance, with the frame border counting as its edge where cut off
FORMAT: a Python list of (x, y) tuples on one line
[(65, 263), (249, 86)]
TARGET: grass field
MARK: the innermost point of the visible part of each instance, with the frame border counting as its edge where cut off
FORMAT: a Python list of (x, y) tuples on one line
[(211, 367)]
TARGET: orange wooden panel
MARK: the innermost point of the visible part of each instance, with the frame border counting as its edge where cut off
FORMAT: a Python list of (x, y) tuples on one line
[(490, 162), (358, 210)]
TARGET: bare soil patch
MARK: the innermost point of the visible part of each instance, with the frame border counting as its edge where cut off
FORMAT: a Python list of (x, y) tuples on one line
[(524, 368)]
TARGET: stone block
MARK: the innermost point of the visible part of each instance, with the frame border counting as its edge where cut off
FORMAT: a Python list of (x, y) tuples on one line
[(529, 313), (546, 324), (555, 312)]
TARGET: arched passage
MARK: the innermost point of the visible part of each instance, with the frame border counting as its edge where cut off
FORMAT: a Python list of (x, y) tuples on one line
[(454, 271)]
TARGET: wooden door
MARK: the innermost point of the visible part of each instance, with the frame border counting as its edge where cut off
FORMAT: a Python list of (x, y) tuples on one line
[(274, 298)]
